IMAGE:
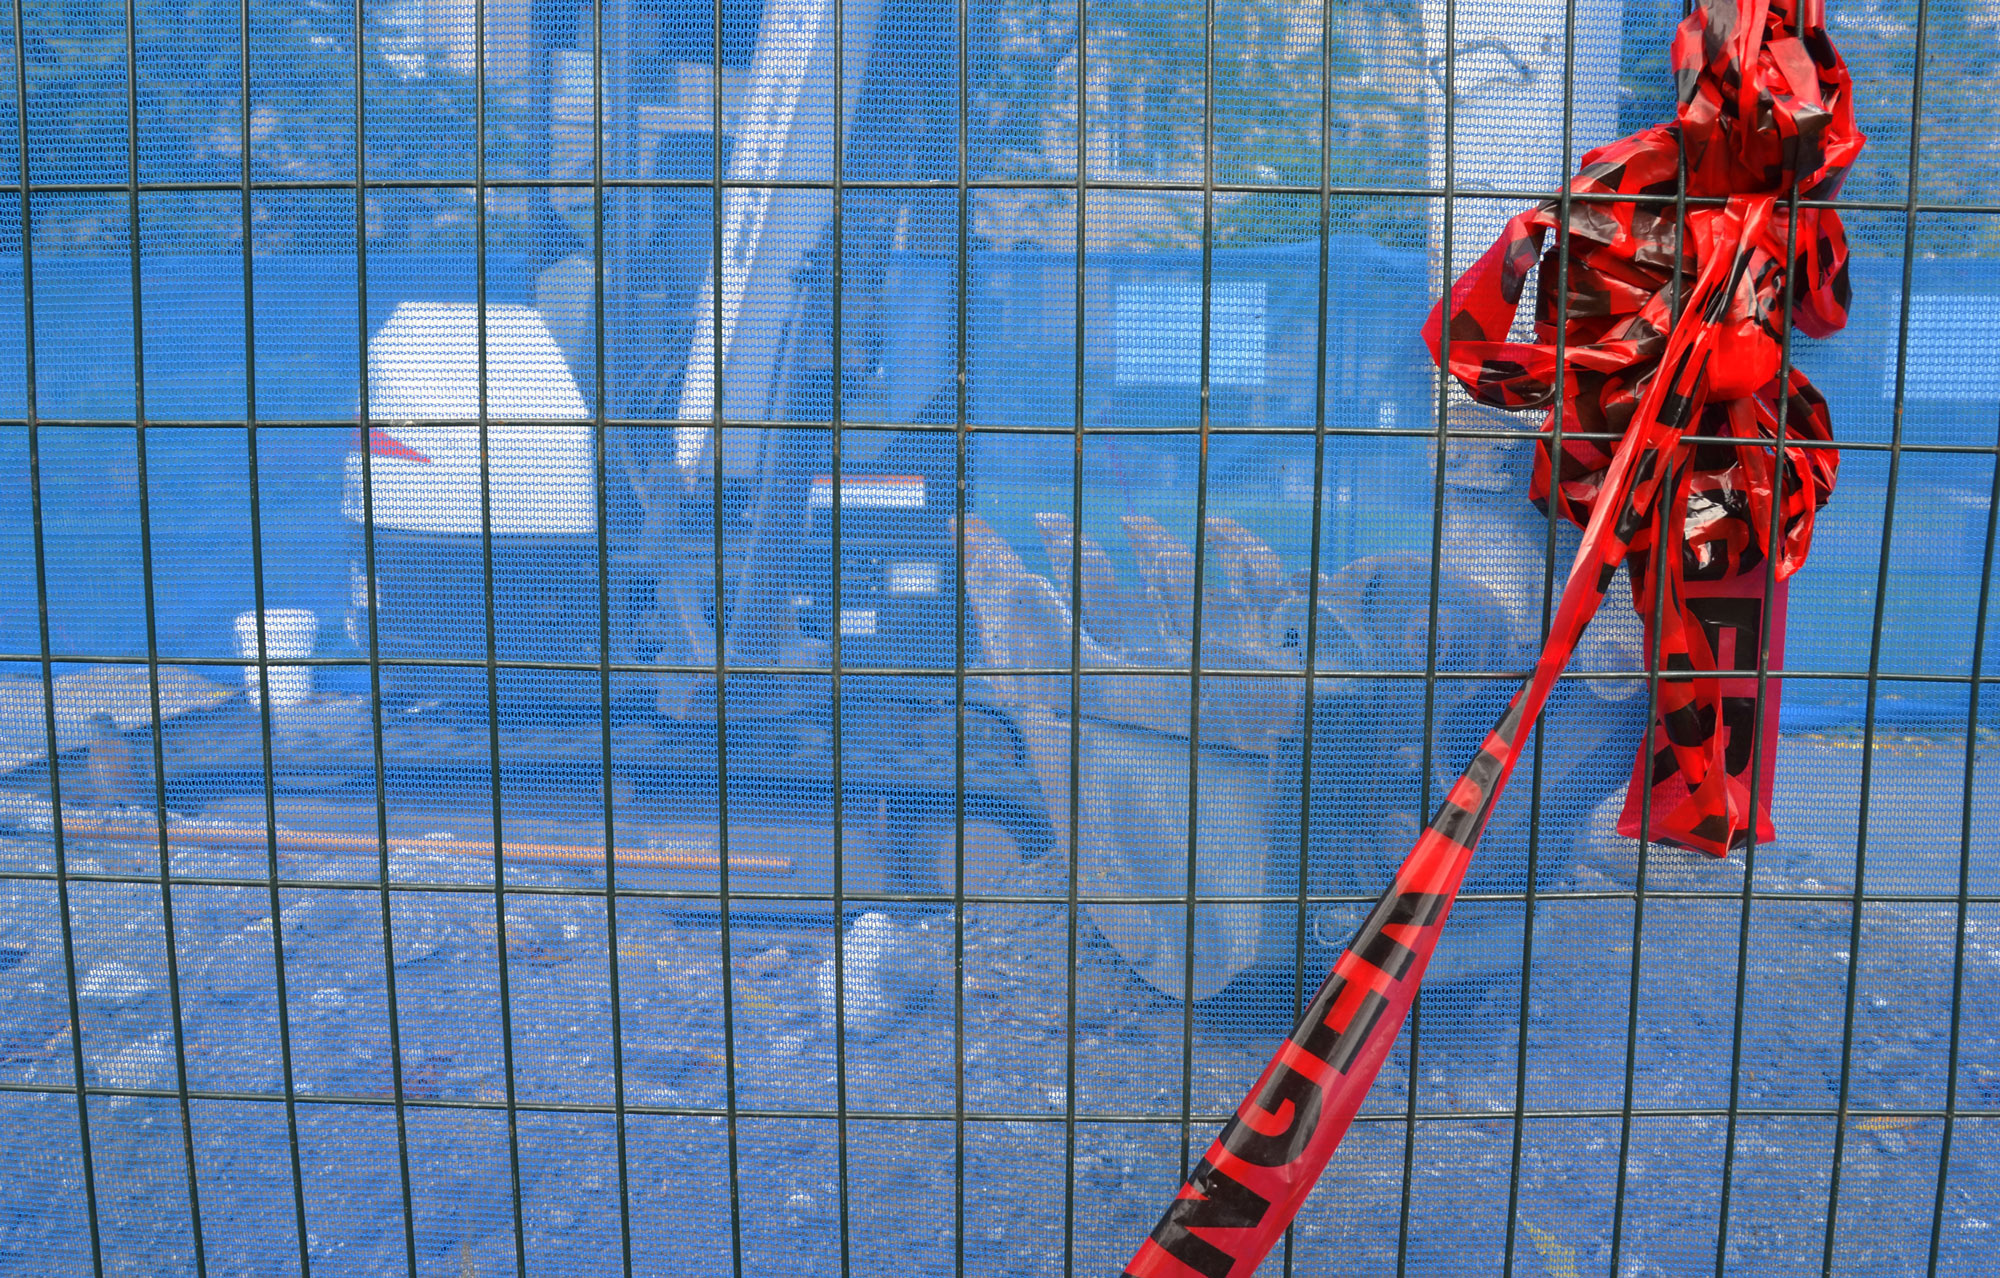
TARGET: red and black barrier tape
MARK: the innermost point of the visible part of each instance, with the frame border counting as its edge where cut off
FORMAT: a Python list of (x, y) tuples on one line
[(1762, 109), (1766, 106)]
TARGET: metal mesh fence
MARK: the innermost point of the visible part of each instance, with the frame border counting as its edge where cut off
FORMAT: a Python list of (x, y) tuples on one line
[(770, 636)]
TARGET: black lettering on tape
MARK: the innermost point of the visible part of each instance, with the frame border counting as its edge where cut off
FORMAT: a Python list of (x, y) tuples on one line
[(1689, 725), (1292, 1100), (1385, 952), (1666, 764), (1358, 1031), (1225, 1203), (1314, 1035), (1743, 617), (1739, 719), (1338, 1045)]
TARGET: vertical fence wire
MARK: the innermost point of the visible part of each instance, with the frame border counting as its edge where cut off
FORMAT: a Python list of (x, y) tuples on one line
[(960, 509), (600, 391), (1655, 646), (1963, 909), (263, 664), (1857, 899), (384, 867), (1075, 760), (1195, 645), (1309, 702), (509, 1081), (1768, 619), (1558, 419), (1440, 436), (720, 651), (156, 735), (837, 605), (79, 1080)]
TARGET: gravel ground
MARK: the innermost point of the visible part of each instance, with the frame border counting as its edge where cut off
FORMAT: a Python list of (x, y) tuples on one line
[(903, 1194)]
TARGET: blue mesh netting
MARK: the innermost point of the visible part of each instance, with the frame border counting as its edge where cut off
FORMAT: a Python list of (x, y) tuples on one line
[(1011, 558)]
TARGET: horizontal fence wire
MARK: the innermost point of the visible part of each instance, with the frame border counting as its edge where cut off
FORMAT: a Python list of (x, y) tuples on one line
[(1368, 432), (976, 184), (947, 1115)]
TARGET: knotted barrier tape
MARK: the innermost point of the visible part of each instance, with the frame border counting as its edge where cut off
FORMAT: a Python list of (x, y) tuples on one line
[(1765, 110)]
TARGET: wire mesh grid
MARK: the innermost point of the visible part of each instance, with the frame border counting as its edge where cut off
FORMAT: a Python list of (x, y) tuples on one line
[(753, 346)]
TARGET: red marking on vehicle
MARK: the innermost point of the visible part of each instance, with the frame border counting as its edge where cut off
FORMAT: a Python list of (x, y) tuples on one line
[(382, 444)]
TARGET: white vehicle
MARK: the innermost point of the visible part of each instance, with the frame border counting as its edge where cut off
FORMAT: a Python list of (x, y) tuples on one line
[(424, 370), (537, 491), (432, 491)]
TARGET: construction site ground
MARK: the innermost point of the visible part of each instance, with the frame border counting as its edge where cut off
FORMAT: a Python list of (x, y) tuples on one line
[(1044, 1043)]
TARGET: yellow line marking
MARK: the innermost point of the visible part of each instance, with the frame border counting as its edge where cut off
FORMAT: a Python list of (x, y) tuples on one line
[(1558, 1260), (1887, 1124)]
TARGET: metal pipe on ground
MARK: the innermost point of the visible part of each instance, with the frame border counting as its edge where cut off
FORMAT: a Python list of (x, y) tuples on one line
[(98, 831)]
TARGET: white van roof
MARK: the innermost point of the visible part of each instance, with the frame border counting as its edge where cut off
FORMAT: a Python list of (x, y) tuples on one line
[(435, 472), (423, 365)]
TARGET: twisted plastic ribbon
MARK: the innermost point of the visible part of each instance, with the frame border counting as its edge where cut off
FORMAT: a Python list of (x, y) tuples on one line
[(1763, 112)]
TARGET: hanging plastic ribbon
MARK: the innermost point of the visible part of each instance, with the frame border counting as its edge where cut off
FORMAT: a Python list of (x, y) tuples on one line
[(1764, 109)]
